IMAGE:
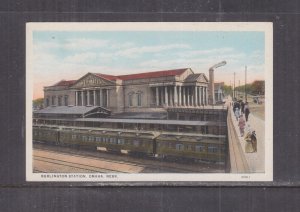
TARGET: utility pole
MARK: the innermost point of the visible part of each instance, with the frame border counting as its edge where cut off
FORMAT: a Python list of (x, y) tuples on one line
[(245, 83), (239, 88), (234, 85), (230, 88)]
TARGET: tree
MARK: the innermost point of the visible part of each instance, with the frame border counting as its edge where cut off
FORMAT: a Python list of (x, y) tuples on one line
[(227, 90), (258, 87), (38, 103)]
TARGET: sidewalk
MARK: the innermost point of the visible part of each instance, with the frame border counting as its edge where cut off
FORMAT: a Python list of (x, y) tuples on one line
[(256, 161)]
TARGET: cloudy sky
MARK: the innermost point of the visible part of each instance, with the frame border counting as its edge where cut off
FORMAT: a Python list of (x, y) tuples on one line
[(71, 54)]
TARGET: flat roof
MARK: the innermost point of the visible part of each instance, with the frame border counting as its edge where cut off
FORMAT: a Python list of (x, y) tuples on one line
[(66, 110), (156, 133), (153, 121), (134, 115)]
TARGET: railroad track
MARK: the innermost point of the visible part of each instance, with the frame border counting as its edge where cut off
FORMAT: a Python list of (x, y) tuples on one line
[(70, 165), (50, 161), (137, 165)]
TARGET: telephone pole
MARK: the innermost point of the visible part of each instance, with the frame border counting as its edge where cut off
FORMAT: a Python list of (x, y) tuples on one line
[(234, 85), (239, 88)]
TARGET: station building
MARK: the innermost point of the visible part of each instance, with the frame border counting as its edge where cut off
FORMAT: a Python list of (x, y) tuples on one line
[(119, 112), (141, 92)]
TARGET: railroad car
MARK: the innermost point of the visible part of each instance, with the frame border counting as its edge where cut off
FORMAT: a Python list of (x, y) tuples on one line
[(46, 134), (113, 140), (197, 147), (192, 146)]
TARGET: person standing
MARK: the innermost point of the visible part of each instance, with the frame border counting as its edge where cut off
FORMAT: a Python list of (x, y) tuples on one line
[(242, 124), (254, 141), (247, 111), (237, 113), (242, 107)]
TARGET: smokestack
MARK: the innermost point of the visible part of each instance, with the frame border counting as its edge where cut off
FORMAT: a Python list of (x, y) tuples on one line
[(211, 85)]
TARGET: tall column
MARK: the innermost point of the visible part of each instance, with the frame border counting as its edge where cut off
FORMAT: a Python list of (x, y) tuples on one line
[(202, 95), (88, 97), (188, 96), (199, 95), (179, 99), (175, 96), (166, 96), (171, 96), (101, 97), (157, 96), (161, 95), (82, 101), (206, 96), (94, 97), (196, 96), (76, 99), (184, 93), (107, 97), (192, 97)]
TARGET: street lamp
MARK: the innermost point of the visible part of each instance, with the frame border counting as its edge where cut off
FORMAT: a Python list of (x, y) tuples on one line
[(211, 95)]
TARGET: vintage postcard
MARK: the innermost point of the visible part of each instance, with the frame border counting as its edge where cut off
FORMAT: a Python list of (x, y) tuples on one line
[(145, 102)]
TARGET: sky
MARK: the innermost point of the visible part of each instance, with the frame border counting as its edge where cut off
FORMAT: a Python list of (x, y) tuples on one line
[(69, 55)]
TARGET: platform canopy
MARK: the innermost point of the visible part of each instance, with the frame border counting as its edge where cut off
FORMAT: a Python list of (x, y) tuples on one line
[(72, 112)]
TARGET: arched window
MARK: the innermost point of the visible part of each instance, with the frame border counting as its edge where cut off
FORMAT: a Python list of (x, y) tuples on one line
[(130, 99)]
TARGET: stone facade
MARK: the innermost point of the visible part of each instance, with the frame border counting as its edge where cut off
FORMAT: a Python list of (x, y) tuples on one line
[(144, 92)]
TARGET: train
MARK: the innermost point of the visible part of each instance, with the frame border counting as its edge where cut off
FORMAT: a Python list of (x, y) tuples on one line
[(155, 144)]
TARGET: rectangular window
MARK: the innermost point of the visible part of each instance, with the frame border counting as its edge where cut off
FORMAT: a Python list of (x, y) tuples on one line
[(59, 101), (53, 100), (74, 137), (136, 143), (91, 138), (200, 148), (84, 138), (66, 101), (179, 147), (120, 141), (212, 149), (113, 140)]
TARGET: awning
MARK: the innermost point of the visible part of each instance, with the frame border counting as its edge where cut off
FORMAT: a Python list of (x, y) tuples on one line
[(73, 111)]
